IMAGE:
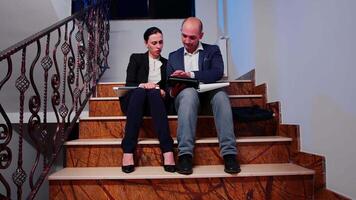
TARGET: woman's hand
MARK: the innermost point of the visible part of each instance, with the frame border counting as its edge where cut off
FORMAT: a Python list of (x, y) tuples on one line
[(148, 85), (152, 86)]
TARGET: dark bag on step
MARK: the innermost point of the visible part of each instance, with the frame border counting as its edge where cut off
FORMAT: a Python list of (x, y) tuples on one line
[(251, 114)]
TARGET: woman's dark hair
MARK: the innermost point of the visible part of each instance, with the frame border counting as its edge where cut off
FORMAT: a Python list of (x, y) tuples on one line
[(151, 31)]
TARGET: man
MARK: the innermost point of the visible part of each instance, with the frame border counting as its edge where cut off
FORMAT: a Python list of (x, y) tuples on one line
[(203, 62)]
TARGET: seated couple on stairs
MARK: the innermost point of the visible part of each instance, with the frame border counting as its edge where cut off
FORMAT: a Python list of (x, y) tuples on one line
[(149, 71)]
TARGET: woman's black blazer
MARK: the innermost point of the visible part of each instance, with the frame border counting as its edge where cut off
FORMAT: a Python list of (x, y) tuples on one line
[(138, 68)]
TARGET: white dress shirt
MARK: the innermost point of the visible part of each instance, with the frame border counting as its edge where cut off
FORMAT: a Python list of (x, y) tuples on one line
[(191, 60), (154, 73)]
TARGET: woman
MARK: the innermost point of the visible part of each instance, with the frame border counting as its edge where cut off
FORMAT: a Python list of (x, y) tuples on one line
[(147, 71)]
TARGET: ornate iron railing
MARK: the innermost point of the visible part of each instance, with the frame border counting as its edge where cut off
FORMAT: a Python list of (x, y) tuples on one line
[(56, 70)]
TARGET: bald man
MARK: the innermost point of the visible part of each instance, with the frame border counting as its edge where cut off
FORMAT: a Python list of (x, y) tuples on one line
[(203, 62)]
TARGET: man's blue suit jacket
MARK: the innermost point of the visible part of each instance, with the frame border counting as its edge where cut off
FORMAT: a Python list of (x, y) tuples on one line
[(211, 65)]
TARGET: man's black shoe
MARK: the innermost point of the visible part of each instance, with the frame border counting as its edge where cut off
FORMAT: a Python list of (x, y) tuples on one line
[(185, 164), (232, 166)]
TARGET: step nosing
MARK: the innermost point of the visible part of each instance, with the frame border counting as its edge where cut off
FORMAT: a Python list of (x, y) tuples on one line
[(238, 96), (241, 96), (157, 172), (153, 141), (225, 81), (111, 82), (124, 117)]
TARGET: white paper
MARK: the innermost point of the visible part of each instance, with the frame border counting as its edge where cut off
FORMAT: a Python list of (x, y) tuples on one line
[(211, 86)]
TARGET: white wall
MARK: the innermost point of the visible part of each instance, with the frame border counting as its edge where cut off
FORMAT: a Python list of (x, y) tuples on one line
[(21, 18), (305, 52), (126, 37), (236, 21)]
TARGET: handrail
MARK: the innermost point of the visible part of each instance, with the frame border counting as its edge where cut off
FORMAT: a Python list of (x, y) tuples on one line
[(69, 59)]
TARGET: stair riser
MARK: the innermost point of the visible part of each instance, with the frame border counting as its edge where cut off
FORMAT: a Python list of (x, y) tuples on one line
[(99, 108), (106, 90), (205, 128), (278, 187), (150, 155), (316, 163)]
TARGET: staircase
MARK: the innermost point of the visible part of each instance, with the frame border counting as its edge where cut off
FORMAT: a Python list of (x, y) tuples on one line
[(272, 165)]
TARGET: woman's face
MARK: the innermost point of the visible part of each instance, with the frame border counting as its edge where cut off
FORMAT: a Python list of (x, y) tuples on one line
[(154, 45)]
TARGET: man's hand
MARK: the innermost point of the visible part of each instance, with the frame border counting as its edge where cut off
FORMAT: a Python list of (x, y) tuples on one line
[(181, 73), (179, 86)]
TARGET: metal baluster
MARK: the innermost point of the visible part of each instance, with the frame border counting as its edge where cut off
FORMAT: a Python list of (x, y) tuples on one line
[(5, 137), (79, 64), (55, 83), (46, 64), (22, 84), (34, 123), (63, 109), (71, 75)]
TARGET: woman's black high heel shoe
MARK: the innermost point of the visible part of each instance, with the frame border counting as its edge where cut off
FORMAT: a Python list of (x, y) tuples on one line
[(128, 168), (169, 168)]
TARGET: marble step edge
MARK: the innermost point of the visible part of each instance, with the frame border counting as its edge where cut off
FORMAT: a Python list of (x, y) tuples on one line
[(230, 96), (152, 141), (122, 82), (200, 171)]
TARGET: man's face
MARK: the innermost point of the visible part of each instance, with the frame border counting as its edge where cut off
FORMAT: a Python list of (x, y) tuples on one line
[(154, 45), (191, 35)]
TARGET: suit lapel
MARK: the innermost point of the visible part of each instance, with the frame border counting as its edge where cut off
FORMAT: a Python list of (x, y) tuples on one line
[(146, 63), (163, 68), (181, 59), (201, 59)]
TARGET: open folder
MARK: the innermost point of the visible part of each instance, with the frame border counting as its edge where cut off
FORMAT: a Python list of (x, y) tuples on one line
[(192, 82), (188, 82)]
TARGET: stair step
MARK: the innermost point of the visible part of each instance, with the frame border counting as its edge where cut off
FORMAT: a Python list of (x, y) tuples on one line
[(113, 127), (157, 172), (268, 181), (211, 140), (230, 96), (108, 153), (110, 106), (104, 89)]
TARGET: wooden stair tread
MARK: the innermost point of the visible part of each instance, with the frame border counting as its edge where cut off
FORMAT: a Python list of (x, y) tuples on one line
[(157, 172), (230, 96), (122, 82), (124, 117), (210, 140)]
